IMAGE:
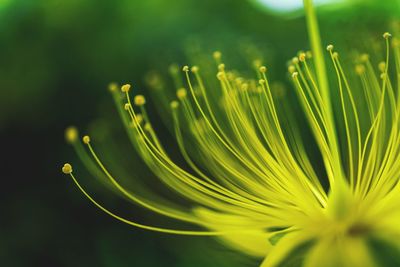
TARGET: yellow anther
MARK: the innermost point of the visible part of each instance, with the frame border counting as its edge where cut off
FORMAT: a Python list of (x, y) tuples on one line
[(382, 66), (261, 82), (71, 134), (302, 57), (244, 86), (147, 126), (185, 68), (174, 104), (291, 69), (386, 35), (221, 67), (125, 88), (181, 93), (329, 48), (217, 55), (335, 55), (127, 106), (263, 69), (360, 69), (139, 118), (67, 168), (86, 139), (364, 57), (383, 75), (257, 63), (295, 60), (139, 100), (194, 69), (113, 87), (220, 75), (295, 74), (173, 69)]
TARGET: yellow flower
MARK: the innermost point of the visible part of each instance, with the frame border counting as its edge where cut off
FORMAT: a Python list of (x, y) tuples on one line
[(251, 181)]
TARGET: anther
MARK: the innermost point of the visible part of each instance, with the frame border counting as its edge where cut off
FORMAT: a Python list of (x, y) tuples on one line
[(360, 69), (329, 48), (185, 68), (217, 55), (71, 134), (221, 67), (67, 168), (364, 57), (112, 87), (173, 69), (174, 104), (125, 88), (302, 57), (295, 74), (194, 69), (263, 69), (386, 35), (220, 75), (86, 139), (181, 93), (261, 82), (139, 100), (127, 106), (147, 126), (382, 66), (335, 55), (295, 60), (139, 118), (244, 86), (291, 69)]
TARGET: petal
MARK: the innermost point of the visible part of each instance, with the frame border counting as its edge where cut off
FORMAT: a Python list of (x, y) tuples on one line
[(284, 247), (254, 243)]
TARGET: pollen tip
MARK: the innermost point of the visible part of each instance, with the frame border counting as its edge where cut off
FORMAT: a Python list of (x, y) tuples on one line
[(174, 104), (261, 81), (86, 139), (127, 106), (112, 87), (364, 57), (181, 93), (329, 48), (360, 69), (71, 134), (263, 69), (295, 74), (147, 126), (185, 68), (244, 86), (139, 100), (295, 60), (173, 69), (220, 75), (291, 69), (302, 56), (335, 55), (217, 55), (221, 67), (67, 168), (194, 69), (139, 118), (125, 88), (382, 66), (386, 35)]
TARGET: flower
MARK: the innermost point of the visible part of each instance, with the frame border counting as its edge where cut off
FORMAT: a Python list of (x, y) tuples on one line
[(251, 180)]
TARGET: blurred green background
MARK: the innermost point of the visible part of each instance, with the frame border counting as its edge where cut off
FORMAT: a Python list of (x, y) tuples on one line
[(56, 59)]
